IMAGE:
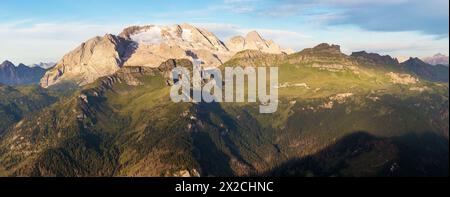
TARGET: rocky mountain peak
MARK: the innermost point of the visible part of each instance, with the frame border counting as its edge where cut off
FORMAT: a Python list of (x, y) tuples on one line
[(437, 73), (254, 36), (22, 66), (254, 41), (375, 58), (156, 44), (97, 57), (415, 60), (185, 36), (22, 74), (327, 47), (149, 46), (6, 64)]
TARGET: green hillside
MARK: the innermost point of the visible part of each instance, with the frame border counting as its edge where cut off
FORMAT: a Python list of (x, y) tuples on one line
[(337, 116), (17, 102)]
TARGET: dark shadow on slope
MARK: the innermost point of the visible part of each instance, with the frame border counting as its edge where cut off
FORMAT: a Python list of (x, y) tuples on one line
[(422, 155), (204, 110), (212, 161), (126, 49), (361, 154), (227, 126)]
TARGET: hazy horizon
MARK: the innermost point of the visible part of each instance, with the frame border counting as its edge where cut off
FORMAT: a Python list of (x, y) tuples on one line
[(34, 32)]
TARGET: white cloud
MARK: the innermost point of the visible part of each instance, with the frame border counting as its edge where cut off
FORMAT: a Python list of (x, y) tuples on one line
[(240, 6), (351, 39), (28, 42)]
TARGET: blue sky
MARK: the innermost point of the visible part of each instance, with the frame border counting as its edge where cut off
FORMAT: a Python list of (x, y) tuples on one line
[(44, 30)]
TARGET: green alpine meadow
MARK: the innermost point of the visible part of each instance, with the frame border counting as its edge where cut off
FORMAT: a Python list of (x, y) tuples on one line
[(338, 115)]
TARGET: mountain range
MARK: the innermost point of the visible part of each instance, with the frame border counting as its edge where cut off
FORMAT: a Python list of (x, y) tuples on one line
[(149, 46), (436, 73), (105, 110), (21, 74)]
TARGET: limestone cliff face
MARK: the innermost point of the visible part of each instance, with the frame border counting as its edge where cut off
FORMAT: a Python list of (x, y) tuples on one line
[(97, 57), (156, 44), (254, 41), (375, 58), (149, 46)]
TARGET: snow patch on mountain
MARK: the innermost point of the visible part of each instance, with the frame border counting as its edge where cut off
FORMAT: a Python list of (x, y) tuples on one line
[(187, 35), (151, 35)]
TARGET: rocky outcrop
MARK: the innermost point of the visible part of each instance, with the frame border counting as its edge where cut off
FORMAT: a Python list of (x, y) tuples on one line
[(374, 58), (325, 48), (325, 57), (7, 72), (254, 41), (156, 44), (131, 75), (403, 79), (438, 73), (12, 75), (97, 57), (322, 53), (256, 58)]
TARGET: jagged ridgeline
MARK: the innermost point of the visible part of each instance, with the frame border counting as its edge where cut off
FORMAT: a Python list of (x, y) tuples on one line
[(338, 116), (21, 74)]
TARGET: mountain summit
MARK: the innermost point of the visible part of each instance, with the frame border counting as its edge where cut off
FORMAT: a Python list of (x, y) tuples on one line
[(97, 57), (12, 75), (155, 44), (254, 41), (149, 46), (375, 58)]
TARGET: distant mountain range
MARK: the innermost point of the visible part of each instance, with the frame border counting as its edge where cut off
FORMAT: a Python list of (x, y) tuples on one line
[(435, 73), (438, 59), (151, 45), (21, 74)]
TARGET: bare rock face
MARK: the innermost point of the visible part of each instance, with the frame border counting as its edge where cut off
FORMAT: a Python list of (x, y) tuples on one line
[(149, 46), (256, 58), (254, 41), (438, 59), (327, 48), (97, 57), (375, 58), (156, 44)]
